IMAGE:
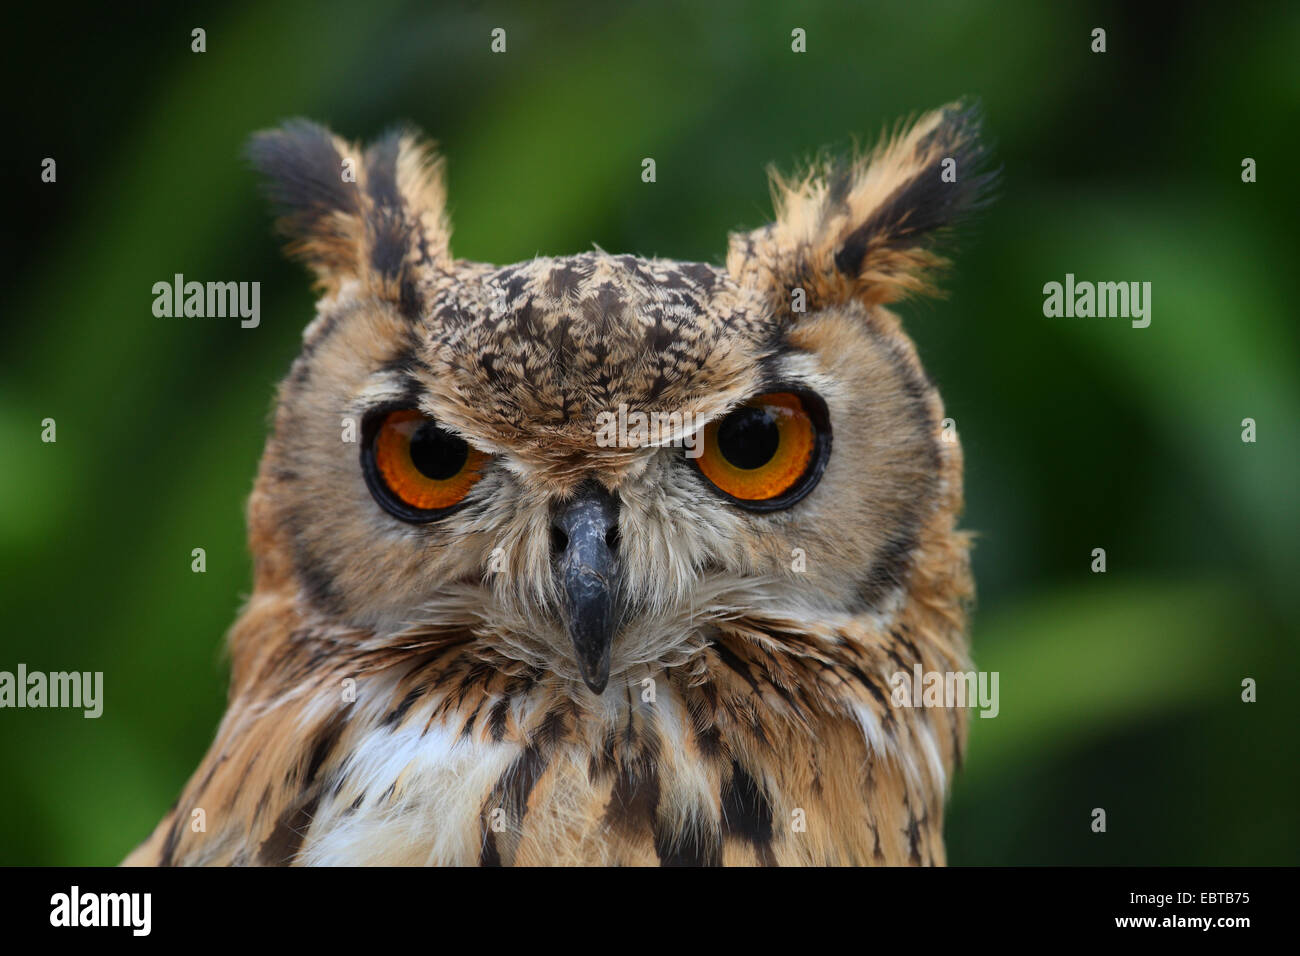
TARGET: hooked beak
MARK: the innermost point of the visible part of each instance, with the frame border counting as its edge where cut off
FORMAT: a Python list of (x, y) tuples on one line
[(584, 542)]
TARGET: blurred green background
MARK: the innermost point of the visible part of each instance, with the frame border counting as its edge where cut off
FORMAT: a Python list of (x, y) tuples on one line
[(1118, 690)]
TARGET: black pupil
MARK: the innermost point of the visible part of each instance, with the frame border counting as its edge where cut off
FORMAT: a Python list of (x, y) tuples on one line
[(437, 454), (748, 438)]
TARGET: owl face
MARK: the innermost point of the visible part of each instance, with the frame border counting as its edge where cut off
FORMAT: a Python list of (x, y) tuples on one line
[(446, 458)]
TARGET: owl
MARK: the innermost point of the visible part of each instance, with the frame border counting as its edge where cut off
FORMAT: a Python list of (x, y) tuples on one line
[(598, 559)]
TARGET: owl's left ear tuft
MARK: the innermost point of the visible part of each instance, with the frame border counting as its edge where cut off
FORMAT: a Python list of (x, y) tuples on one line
[(377, 215), (867, 228)]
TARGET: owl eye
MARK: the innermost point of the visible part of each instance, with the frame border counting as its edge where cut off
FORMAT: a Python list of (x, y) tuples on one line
[(770, 452), (416, 470)]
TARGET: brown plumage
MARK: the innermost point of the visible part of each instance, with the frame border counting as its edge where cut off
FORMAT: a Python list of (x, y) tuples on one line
[(595, 655)]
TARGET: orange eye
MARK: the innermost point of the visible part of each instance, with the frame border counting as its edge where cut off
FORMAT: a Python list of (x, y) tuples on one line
[(415, 469), (769, 452)]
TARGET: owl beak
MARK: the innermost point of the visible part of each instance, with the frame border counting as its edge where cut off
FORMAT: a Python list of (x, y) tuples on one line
[(584, 542)]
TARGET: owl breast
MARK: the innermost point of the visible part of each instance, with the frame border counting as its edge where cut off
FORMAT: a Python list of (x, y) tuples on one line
[(665, 773)]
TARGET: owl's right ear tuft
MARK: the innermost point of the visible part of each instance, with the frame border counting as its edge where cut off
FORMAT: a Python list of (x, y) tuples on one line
[(377, 215), (867, 228)]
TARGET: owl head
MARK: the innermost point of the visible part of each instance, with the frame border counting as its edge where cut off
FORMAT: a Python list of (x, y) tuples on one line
[(583, 465)]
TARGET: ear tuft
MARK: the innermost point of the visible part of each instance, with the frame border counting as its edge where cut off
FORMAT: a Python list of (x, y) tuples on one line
[(866, 228), (378, 216), (320, 212), (407, 223)]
